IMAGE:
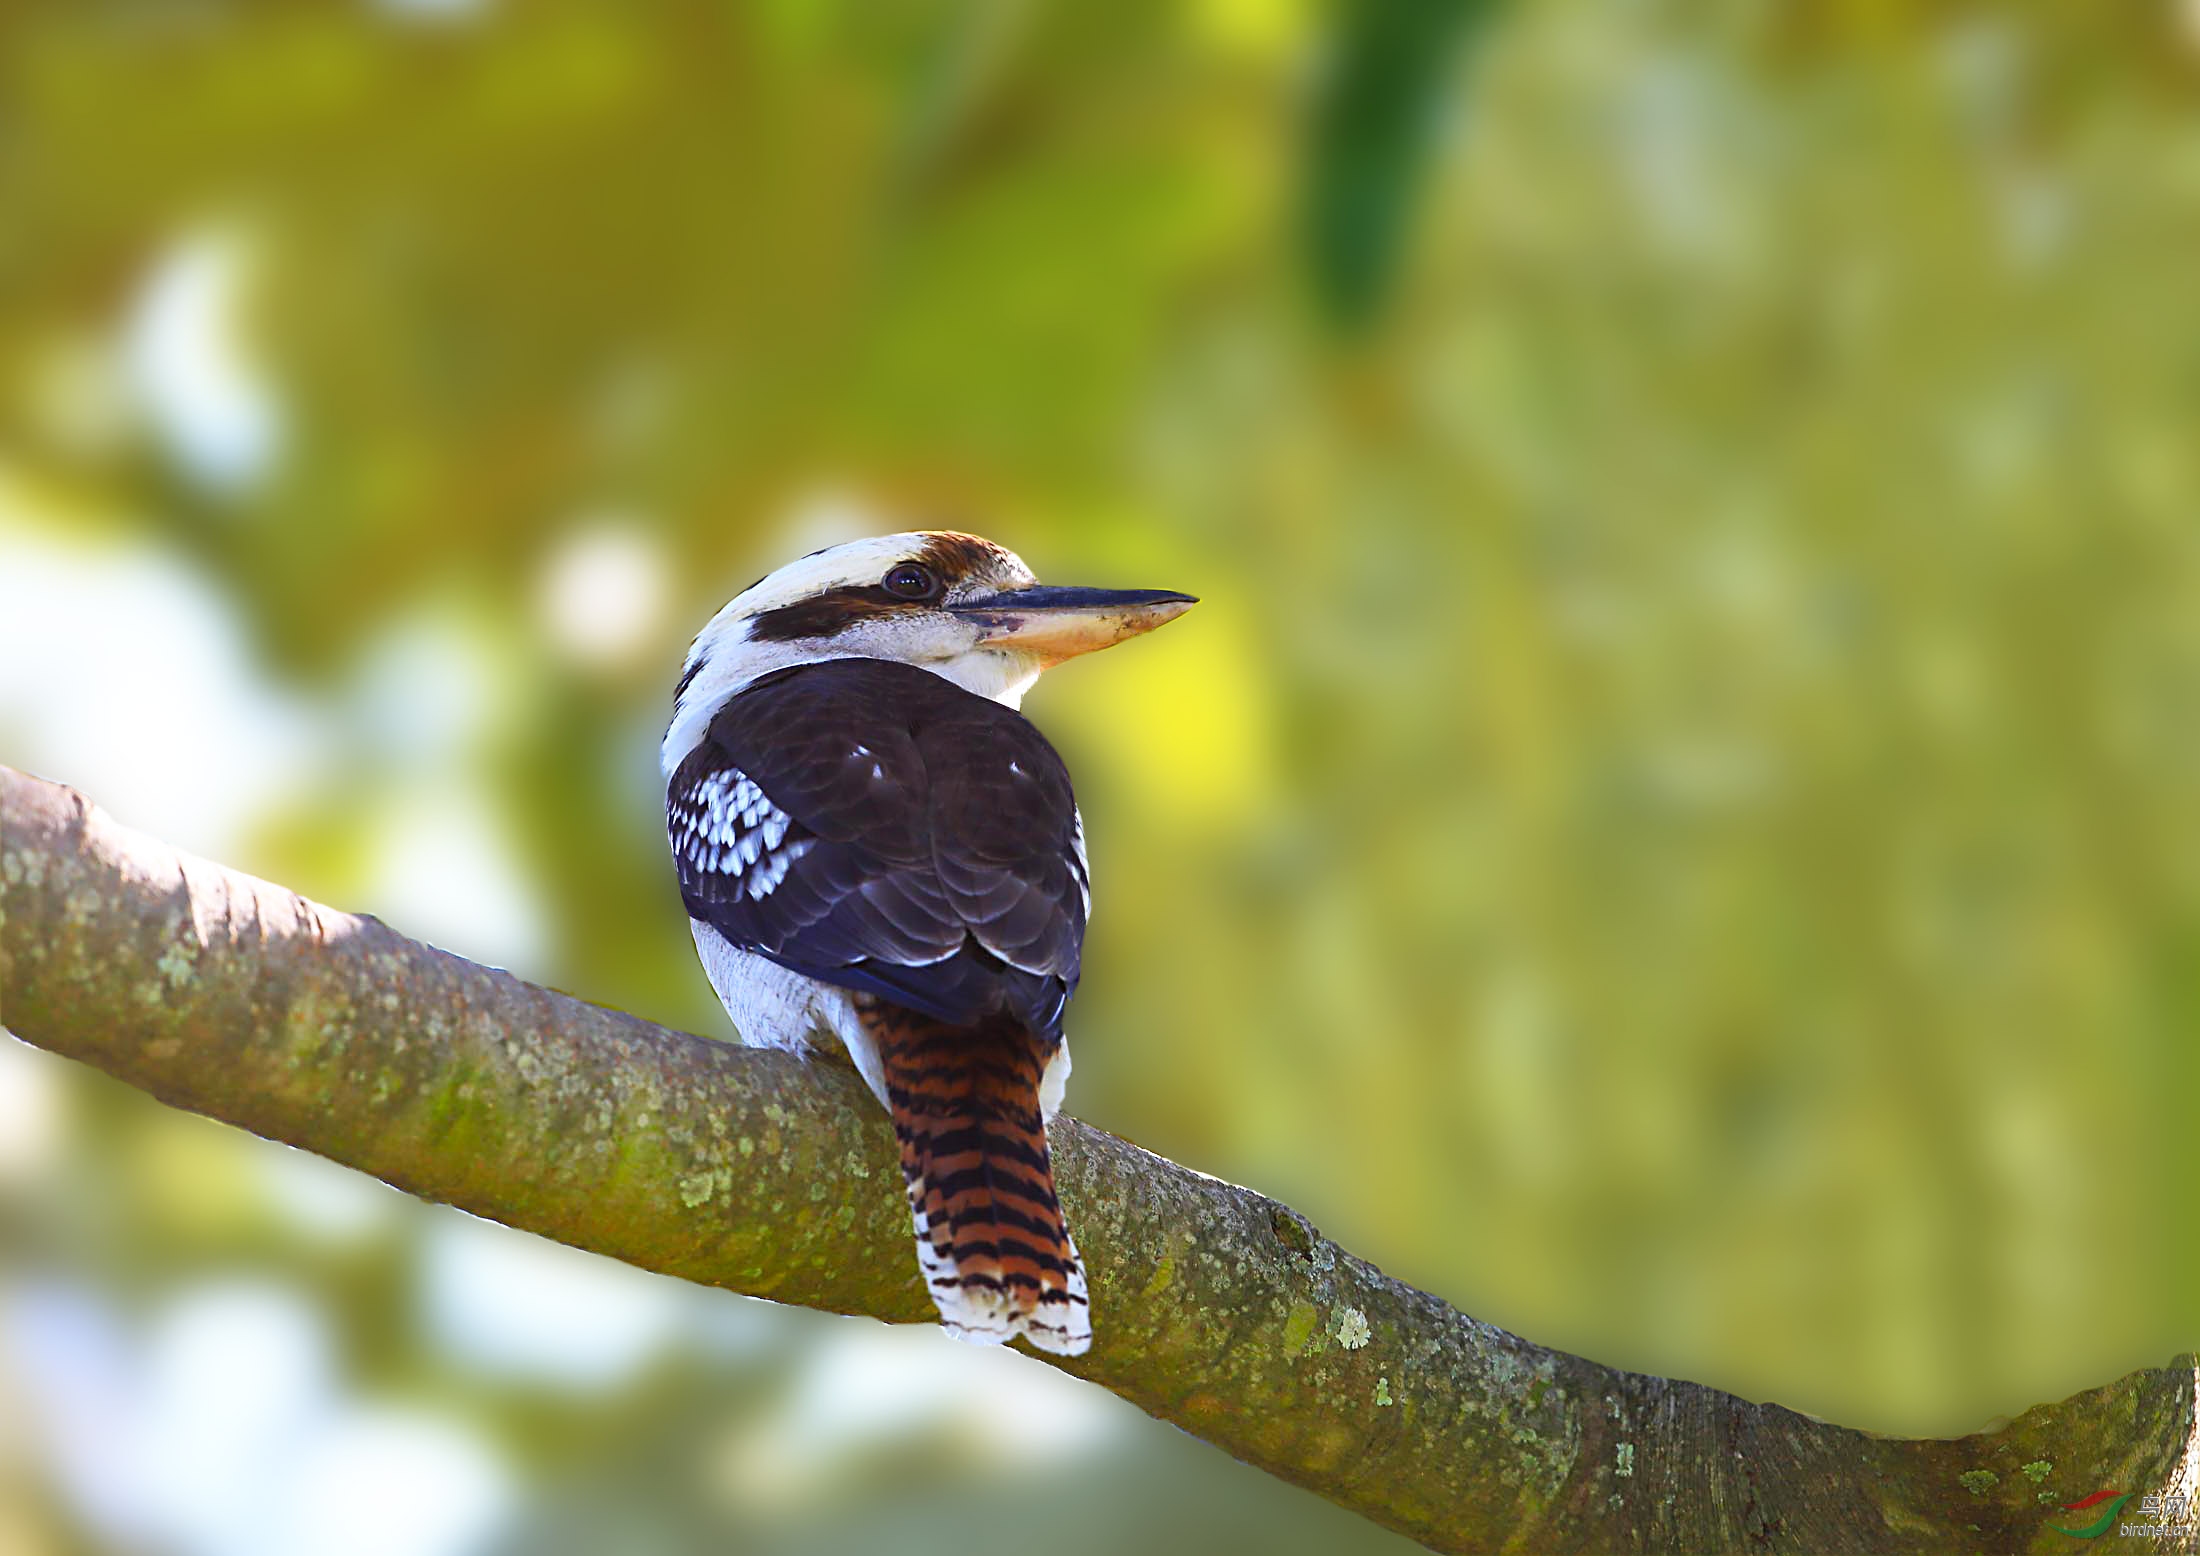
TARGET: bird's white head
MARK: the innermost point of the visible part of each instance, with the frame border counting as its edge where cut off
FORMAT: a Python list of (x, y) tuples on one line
[(957, 605)]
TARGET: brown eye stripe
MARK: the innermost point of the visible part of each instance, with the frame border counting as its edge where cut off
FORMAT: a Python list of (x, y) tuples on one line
[(825, 615)]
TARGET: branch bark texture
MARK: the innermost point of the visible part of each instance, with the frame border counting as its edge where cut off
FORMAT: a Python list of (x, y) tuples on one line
[(1218, 1309)]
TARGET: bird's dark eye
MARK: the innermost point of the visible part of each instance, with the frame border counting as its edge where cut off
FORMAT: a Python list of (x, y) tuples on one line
[(911, 581)]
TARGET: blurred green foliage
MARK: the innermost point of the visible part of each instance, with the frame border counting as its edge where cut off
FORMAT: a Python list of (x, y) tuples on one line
[(1388, 80), (1674, 827)]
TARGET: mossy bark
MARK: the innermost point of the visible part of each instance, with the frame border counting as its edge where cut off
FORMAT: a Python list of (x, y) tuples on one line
[(1215, 1308)]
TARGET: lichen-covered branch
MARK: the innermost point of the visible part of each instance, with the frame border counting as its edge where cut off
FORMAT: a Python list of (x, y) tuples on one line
[(1218, 1309)]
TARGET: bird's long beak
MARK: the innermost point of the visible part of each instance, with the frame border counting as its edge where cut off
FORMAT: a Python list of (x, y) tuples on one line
[(1053, 624)]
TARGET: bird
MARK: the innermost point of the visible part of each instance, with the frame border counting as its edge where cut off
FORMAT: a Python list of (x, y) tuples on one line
[(875, 846)]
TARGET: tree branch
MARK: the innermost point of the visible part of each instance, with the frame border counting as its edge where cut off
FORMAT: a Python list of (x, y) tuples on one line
[(1216, 1309)]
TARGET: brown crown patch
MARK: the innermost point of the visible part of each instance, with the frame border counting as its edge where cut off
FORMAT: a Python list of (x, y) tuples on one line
[(956, 556)]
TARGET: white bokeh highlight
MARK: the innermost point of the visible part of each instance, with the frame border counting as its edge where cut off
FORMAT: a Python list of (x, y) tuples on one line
[(221, 1428), (190, 367), (602, 595), (122, 671), (515, 1306)]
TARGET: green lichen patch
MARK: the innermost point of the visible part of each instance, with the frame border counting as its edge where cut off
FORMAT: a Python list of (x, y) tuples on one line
[(1382, 1390), (1624, 1461), (1298, 1327), (1979, 1482), (698, 1188), (1164, 1273), (176, 963), (2038, 1470), (1352, 1330)]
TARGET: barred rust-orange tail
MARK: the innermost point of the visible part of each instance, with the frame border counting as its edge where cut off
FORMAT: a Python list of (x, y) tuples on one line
[(990, 1238)]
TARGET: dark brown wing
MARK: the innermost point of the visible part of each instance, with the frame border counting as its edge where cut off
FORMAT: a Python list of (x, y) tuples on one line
[(875, 826)]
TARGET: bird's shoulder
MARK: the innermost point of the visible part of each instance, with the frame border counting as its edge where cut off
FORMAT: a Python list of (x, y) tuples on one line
[(889, 752)]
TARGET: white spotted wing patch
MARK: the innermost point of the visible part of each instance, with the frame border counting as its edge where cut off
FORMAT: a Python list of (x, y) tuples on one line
[(723, 824)]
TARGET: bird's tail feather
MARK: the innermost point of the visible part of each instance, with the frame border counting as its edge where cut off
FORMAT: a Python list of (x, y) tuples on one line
[(991, 1241)]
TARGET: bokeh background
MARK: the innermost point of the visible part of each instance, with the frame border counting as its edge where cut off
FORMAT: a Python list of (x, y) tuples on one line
[(1674, 827)]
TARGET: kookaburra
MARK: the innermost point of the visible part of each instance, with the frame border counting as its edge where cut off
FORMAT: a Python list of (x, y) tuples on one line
[(875, 846)]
